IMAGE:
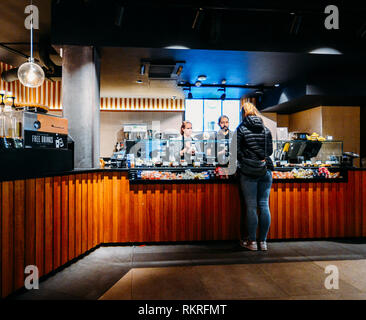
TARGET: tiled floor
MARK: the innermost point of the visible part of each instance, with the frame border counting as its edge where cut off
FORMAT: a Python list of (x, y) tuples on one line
[(212, 270)]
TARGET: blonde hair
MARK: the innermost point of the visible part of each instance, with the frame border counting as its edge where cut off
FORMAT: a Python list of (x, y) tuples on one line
[(183, 126), (250, 109)]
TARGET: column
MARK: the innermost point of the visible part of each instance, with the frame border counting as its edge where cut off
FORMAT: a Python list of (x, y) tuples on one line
[(81, 102)]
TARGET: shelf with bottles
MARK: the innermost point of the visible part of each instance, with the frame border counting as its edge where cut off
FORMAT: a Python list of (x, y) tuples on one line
[(10, 123)]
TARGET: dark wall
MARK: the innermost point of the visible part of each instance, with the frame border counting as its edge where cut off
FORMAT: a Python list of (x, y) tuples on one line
[(363, 131)]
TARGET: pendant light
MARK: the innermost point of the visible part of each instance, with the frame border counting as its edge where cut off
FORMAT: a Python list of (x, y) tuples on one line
[(31, 74)]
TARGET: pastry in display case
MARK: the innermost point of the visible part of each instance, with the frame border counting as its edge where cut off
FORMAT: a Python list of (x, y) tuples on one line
[(308, 157), (307, 152)]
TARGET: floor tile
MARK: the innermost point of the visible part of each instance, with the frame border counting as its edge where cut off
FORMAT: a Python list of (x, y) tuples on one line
[(302, 278), (174, 283), (350, 271), (324, 250), (237, 282), (211, 270), (121, 290)]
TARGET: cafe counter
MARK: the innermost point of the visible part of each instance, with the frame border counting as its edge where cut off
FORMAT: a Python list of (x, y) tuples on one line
[(48, 220)]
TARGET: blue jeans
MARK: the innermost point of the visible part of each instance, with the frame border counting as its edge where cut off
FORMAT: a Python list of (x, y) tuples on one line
[(256, 192)]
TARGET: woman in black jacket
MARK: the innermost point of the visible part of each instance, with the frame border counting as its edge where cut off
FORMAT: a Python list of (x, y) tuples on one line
[(254, 145)]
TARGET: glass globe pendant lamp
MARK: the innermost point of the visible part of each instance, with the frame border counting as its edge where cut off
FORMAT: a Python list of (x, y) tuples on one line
[(31, 74)]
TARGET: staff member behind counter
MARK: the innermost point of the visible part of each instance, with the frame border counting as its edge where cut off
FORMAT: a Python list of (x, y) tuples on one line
[(188, 148), (220, 147), (223, 139)]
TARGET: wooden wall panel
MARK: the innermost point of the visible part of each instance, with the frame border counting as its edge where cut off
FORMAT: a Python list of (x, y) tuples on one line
[(108, 207), (64, 219), (363, 204), (90, 212), (123, 227), (78, 209), (84, 212), (101, 208), (116, 205), (30, 222), (7, 241), (48, 224), (1, 240), (49, 221), (199, 210), (95, 210), (40, 227), (71, 216), (56, 222), (19, 233)]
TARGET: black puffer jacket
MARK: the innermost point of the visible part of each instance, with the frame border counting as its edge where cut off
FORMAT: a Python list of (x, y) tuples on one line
[(253, 140)]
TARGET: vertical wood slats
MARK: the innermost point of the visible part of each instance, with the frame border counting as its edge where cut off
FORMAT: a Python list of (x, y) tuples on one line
[(49, 221)]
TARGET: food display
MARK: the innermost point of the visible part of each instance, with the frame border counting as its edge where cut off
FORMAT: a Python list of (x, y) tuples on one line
[(315, 137), (168, 175), (301, 173)]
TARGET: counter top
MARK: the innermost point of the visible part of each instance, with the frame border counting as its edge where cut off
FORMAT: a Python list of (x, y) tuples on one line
[(33, 175)]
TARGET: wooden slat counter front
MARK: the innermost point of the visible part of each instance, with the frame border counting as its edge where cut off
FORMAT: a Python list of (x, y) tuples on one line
[(51, 220)]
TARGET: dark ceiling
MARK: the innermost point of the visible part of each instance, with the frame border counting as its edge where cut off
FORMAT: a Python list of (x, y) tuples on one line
[(255, 68), (244, 42), (296, 26)]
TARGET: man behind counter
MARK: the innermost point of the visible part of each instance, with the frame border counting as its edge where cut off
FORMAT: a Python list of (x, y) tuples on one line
[(223, 137)]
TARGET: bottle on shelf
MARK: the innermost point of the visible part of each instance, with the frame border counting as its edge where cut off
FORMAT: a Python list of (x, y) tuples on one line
[(2, 121), (10, 123)]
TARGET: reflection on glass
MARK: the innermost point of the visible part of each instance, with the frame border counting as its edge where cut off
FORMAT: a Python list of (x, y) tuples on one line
[(194, 113), (231, 108), (212, 112)]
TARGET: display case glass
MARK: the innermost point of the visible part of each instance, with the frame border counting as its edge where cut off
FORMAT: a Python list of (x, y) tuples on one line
[(203, 149), (308, 152)]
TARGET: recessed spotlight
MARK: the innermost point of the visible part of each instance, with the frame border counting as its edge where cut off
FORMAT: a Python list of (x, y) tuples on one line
[(178, 47), (198, 83), (138, 81), (325, 51), (202, 78)]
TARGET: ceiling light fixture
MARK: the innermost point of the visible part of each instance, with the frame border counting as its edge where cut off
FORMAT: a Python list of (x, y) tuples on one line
[(138, 81), (30, 74), (198, 83), (325, 50), (198, 19), (177, 47), (220, 86), (277, 85), (223, 81), (190, 96), (223, 96), (295, 24), (202, 78)]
